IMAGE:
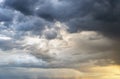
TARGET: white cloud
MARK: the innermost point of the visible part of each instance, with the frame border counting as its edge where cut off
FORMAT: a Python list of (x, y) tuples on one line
[(19, 58), (3, 37), (65, 50), (1, 1), (68, 49)]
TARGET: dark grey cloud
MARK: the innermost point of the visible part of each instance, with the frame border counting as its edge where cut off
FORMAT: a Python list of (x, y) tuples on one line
[(31, 17), (6, 14), (104, 14), (7, 44), (24, 6), (32, 24), (116, 52), (110, 13)]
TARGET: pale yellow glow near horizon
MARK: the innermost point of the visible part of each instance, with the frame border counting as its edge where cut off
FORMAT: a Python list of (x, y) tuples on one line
[(103, 72)]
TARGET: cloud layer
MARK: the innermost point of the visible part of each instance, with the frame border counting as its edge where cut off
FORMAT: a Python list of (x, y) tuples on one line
[(59, 33), (35, 73)]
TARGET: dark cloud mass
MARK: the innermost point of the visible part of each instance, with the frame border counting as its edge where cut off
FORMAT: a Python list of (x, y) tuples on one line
[(24, 6), (104, 14), (85, 28), (6, 14)]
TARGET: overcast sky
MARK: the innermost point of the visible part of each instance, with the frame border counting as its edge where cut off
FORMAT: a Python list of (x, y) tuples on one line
[(52, 37)]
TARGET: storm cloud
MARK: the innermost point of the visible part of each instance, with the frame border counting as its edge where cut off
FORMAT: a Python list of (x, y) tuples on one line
[(59, 33), (98, 15)]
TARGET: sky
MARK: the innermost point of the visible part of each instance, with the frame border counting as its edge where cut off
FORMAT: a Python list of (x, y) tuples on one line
[(59, 39)]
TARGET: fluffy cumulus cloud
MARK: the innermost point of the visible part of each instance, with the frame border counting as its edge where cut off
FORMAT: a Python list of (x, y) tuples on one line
[(77, 34)]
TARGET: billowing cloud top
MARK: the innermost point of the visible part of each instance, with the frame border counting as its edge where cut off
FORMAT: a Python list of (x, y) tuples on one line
[(77, 34)]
